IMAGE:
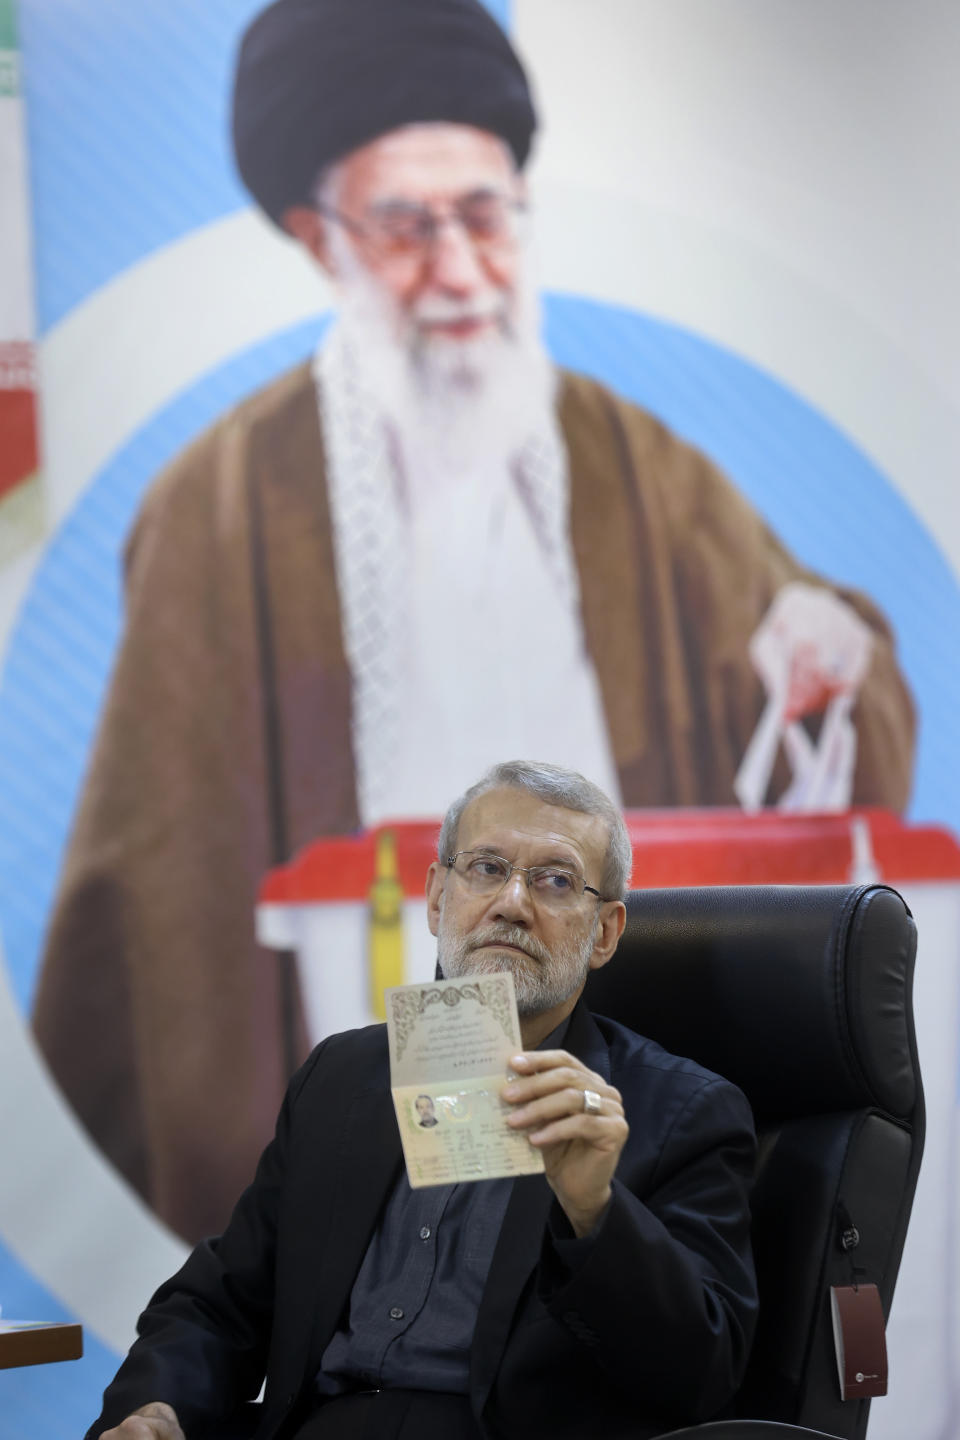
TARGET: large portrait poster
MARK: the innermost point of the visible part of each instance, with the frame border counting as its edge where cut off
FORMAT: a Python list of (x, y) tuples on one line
[(634, 451)]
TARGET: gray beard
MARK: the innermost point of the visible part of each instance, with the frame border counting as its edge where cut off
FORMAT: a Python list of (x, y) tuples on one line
[(542, 980), (450, 399)]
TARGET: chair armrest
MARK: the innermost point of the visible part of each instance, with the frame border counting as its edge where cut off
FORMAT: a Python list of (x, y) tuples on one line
[(747, 1430)]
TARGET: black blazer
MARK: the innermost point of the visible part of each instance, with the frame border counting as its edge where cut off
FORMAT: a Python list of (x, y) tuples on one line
[(651, 1330)]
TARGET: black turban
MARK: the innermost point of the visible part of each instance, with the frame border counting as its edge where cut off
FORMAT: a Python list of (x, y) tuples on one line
[(318, 78)]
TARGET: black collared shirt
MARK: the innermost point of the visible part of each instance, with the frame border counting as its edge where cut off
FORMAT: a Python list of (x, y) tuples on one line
[(414, 1303)]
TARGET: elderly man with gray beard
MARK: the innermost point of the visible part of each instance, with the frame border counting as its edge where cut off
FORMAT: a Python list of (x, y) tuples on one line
[(611, 1295), (420, 550)]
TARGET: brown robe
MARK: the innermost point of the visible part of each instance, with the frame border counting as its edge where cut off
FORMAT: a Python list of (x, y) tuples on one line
[(160, 1017)]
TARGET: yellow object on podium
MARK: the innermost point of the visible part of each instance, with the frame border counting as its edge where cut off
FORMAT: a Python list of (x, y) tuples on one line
[(385, 944)]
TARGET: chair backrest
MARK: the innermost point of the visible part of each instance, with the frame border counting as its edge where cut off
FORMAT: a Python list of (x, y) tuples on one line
[(802, 996)]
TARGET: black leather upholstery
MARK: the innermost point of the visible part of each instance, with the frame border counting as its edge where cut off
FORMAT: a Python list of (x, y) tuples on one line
[(802, 996)]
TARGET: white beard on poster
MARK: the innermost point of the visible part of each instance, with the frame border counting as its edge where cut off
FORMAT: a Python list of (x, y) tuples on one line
[(447, 478)]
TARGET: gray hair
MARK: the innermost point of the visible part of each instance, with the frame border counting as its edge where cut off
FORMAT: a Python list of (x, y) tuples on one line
[(554, 786)]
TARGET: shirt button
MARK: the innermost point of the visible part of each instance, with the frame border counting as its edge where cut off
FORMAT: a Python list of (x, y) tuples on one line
[(425, 1232), (396, 1313)]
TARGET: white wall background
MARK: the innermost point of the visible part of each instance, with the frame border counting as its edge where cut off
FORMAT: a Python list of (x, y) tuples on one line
[(787, 177)]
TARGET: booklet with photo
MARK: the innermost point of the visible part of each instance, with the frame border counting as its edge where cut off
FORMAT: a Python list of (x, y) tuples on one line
[(450, 1047)]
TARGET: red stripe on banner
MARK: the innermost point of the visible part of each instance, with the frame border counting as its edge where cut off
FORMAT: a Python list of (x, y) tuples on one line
[(670, 847), (19, 453)]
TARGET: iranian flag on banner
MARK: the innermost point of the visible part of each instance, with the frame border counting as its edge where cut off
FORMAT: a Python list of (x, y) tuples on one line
[(21, 499)]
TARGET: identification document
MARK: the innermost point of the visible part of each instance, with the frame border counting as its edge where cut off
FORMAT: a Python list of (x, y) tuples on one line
[(450, 1047)]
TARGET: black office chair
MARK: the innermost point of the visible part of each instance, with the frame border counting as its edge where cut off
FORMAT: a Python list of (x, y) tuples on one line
[(802, 996)]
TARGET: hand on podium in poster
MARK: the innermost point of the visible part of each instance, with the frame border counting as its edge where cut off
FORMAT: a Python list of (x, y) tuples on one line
[(810, 647), (155, 1421), (812, 652)]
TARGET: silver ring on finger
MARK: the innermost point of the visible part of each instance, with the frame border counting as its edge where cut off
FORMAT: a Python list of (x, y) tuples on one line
[(592, 1103)]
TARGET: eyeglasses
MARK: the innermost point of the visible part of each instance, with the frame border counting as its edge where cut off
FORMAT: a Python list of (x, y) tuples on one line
[(403, 230), (486, 874)]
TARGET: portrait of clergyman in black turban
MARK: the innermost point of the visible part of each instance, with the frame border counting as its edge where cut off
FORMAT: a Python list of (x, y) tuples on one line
[(421, 550)]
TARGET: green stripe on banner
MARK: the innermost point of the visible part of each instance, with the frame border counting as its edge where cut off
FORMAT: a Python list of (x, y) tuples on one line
[(8, 25), (9, 69)]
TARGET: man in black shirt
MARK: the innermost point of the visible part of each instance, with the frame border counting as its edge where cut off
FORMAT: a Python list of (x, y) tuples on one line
[(614, 1294)]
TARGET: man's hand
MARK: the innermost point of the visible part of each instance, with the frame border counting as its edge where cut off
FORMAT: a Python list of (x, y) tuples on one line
[(809, 647), (580, 1149), (155, 1421), (812, 652)]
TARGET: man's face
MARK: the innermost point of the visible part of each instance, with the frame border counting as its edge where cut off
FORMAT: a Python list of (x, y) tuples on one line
[(453, 289), (424, 1107), (449, 303), (548, 949)]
